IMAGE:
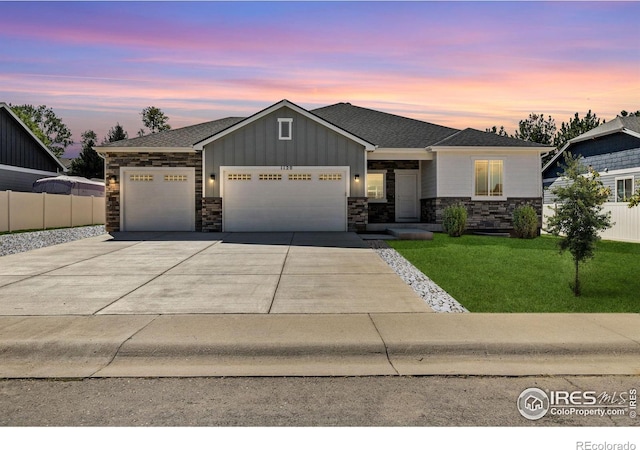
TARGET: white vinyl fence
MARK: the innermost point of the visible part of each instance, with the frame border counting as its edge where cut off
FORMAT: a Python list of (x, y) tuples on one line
[(30, 211), (626, 221)]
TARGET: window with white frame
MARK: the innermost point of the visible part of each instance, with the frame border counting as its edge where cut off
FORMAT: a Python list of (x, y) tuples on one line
[(624, 189), (488, 178), (285, 129), (376, 186)]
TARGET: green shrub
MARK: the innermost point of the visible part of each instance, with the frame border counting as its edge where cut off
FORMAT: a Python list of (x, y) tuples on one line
[(454, 220), (525, 222)]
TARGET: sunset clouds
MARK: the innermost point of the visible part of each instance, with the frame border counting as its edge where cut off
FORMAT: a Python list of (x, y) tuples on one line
[(458, 64)]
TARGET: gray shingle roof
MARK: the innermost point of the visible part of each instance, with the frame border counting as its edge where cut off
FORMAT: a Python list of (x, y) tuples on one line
[(474, 138), (383, 129), (179, 137), (630, 122)]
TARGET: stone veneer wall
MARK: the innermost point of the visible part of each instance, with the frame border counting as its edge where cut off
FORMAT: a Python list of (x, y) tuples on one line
[(147, 159), (212, 214), (357, 213), (482, 215), (386, 212)]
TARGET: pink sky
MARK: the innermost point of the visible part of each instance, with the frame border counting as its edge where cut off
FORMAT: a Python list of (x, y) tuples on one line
[(471, 64)]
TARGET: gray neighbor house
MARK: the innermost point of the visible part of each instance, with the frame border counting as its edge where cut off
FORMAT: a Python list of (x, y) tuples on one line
[(23, 157), (335, 168), (612, 149)]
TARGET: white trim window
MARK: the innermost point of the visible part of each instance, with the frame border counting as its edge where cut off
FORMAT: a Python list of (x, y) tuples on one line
[(624, 189), (285, 129), (488, 178), (377, 186)]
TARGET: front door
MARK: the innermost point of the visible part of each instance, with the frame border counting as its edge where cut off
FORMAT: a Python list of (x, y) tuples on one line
[(407, 196)]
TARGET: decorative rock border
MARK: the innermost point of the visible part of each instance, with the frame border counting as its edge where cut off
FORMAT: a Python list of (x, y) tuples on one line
[(22, 242), (429, 291)]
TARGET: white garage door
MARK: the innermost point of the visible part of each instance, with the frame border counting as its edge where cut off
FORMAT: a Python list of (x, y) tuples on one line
[(277, 199), (157, 199)]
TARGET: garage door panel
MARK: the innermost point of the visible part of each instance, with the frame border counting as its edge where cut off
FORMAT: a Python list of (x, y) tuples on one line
[(158, 199), (261, 199)]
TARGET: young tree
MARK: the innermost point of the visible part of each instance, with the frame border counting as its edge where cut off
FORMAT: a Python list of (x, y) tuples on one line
[(579, 216), (154, 119), (116, 133), (88, 164), (575, 127), (537, 129), (48, 127)]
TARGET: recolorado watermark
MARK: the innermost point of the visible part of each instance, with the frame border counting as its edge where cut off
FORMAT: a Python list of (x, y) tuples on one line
[(535, 403), (588, 445)]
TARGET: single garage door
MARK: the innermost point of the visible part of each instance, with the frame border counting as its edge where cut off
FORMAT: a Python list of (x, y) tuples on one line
[(285, 199), (157, 199)]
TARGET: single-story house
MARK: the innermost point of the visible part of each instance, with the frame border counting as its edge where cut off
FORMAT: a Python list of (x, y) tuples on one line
[(23, 157), (612, 149), (335, 168)]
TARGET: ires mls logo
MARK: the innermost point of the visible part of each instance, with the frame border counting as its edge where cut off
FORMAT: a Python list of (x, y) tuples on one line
[(534, 403)]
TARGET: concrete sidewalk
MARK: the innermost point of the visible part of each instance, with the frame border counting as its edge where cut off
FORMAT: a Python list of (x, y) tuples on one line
[(319, 344)]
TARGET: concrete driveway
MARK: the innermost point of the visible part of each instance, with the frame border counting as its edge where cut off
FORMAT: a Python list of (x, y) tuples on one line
[(195, 273)]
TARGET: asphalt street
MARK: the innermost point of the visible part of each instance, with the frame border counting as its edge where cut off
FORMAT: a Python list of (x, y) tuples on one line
[(295, 401)]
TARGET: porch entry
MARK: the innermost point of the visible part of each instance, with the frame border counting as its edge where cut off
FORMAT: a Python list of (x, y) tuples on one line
[(407, 204)]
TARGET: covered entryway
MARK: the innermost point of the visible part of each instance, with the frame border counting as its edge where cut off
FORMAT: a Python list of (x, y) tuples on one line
[(157, 199), (284, 198)]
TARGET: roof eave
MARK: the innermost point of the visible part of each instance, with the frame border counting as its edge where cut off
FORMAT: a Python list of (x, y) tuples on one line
[(488, 148), (105, 150)]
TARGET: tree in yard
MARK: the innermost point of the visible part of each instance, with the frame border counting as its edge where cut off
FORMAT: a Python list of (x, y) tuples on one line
[(575, 127), (116, 133), (624, 113), (154, 119), (48, 127), (88, 164), (537, 129), (579, 216)]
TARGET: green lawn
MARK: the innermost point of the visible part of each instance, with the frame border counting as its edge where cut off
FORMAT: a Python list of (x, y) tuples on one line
[(491, 274)]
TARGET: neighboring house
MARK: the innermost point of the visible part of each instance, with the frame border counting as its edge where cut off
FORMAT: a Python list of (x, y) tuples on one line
[(335, 168), (612, 149), (23, 157)]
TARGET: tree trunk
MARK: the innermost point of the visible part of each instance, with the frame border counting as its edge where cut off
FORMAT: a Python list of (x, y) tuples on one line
[(576, 285)]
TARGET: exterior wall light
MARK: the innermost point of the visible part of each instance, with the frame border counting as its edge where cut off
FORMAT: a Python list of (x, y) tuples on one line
[(113, 178), (212, 177), (357, 178)]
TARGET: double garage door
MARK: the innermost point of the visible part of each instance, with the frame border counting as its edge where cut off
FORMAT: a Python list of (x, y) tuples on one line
[(157, 199), (254, 198), (284, 198)]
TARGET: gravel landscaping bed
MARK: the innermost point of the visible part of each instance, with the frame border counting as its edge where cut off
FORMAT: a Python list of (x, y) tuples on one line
[(429, 291), (22, 242)]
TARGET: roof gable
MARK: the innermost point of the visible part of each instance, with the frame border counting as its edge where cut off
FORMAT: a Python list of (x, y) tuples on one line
[(628, 126), (275, 107), (38, 142)]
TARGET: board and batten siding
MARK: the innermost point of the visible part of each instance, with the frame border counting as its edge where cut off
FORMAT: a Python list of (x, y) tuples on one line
[(19, 149), (521, 173), (257, 144)]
